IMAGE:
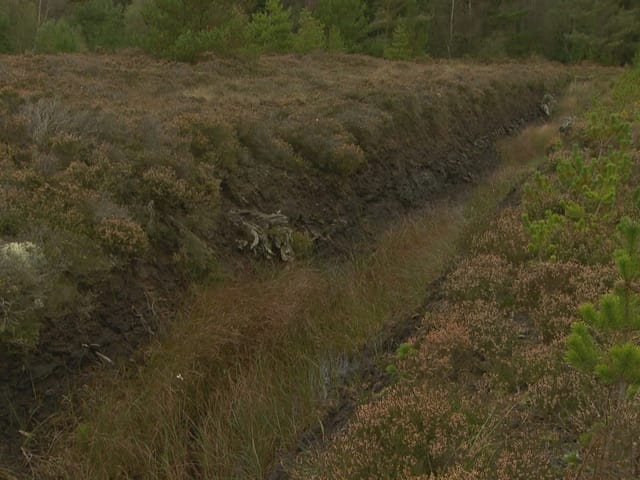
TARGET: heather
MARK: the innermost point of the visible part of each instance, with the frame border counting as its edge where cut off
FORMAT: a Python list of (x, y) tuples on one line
[(526, 366)]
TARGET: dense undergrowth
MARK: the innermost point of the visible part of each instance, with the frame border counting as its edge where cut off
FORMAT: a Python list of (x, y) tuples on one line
[(251, 366), (99, 186), (121, 178), (487, 388)]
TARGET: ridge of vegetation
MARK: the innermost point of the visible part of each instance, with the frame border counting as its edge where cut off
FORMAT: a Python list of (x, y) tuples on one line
[(604, 31), (487, 388)]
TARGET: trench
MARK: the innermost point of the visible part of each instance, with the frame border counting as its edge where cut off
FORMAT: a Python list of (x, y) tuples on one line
[(364, 376), (266, 365), (291, 353)]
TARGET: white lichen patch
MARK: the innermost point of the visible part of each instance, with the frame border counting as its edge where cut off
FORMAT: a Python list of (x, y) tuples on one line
[(24, 255)]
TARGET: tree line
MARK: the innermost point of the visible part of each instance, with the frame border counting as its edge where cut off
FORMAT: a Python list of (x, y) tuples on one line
[(604, 31)]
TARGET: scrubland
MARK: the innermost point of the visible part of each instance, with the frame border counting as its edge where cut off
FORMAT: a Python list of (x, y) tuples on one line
[(510, 375), (121, 179)]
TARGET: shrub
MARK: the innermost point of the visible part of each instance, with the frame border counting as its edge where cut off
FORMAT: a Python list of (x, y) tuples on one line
[(310, 34), (194, 258), (345, 159), (161, 185), (213, 143), (413, 432), (189, 45), (123, 237), (335, 42), (57, 37), (22, 291)]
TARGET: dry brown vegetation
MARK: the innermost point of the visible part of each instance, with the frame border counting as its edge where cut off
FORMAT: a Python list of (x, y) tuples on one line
[(485, 390), (251, 366), (123, 171)]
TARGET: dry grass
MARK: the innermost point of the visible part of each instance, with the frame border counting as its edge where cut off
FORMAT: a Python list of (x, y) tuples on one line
[(487, 393), (131, 152), (251, 365), (125, 156)]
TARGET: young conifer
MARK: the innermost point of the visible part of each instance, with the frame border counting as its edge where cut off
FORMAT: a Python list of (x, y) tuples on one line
[(604, 344)]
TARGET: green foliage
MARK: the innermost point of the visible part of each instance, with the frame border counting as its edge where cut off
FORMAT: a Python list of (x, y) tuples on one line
[(58, 37), (22, 18), (5, 43), (165, 21), (302, 244), (102, 23), (190, 45), (404, 350), (400, 48), (346, 17), (544, 233), (581, 348), (602, 344), (136, 28), (335, 42), (401, 27), (270, 31), (310, 35), (602, 31), (569, 215), (570, 31)]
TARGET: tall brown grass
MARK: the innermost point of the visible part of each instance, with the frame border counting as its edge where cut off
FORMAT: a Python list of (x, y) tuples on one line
[(487, 392), (250, 366)]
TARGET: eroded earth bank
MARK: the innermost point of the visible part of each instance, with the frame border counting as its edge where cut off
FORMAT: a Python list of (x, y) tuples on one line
[(124, 181)]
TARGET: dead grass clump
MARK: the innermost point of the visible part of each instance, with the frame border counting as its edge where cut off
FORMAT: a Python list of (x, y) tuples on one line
[(265, 145), (534, 142), (123, 236)]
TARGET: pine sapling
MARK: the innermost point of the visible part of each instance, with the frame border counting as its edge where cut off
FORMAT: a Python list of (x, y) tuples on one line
[(605, 342)]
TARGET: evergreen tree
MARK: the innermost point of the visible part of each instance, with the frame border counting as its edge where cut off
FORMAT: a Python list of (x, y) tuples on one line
[(310, 35), (603, 344), (271, 30), (22, 24), (348, 17), (102, 23), (400, 48), (409, 15), (166, 20), (5, 43), (335, 43), (58, 37)]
